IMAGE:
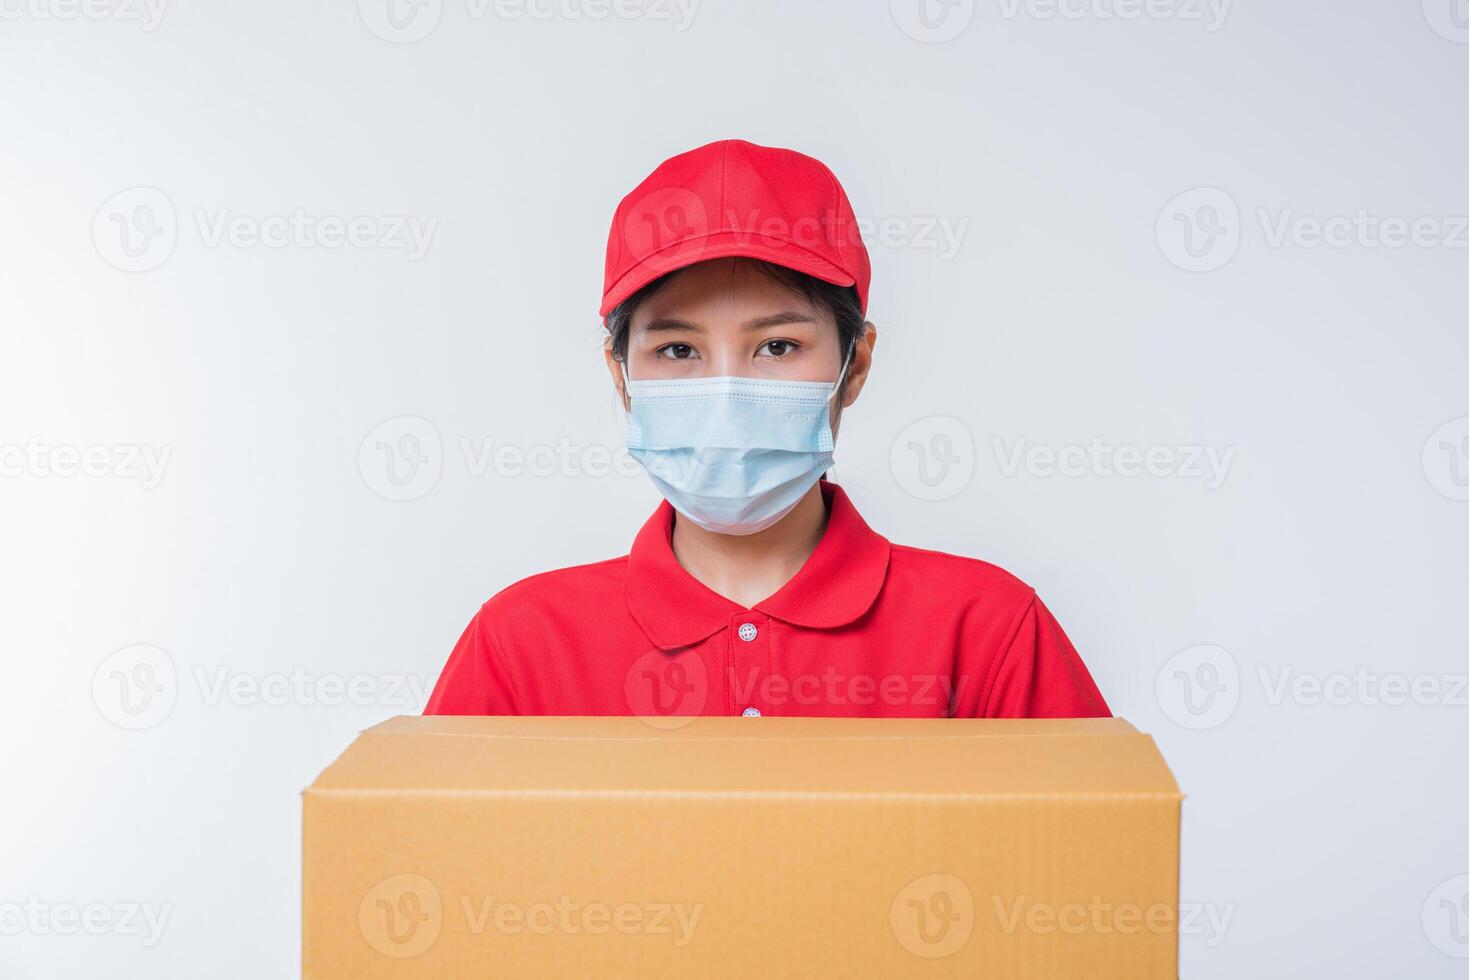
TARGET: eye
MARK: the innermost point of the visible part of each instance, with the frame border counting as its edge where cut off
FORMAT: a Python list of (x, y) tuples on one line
[(675, 352), (779, 348)]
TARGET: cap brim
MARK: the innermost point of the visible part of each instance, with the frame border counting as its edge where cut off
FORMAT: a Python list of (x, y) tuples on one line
[(723, 245)]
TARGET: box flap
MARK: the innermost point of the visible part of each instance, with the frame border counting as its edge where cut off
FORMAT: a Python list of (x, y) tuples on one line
[(941, 758)]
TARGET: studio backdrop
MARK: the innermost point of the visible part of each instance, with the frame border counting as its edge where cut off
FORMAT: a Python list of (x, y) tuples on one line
[(300, 363)]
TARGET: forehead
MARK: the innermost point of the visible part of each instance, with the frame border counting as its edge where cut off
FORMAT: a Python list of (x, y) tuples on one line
[(724, 290)]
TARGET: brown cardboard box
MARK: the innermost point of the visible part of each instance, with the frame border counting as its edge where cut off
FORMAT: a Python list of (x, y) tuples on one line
[(742, 847)]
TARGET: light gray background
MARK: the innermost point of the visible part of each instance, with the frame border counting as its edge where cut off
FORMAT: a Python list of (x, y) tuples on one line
[(1332, 548)]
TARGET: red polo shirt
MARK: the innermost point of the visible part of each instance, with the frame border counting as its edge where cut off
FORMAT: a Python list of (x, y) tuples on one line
[(865, 628)]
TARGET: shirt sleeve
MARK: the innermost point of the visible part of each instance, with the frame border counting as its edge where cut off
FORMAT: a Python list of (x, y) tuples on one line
[(473, 682), (1040, 675)]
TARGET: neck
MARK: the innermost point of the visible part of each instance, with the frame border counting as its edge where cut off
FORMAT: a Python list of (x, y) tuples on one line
[(746, 568)]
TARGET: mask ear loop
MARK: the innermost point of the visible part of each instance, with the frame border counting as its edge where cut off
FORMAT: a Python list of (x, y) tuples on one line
[(626, 379), (842, 374), (837, 386)]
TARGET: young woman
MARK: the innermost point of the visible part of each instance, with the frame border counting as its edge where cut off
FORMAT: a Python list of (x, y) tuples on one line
[(734, 304)]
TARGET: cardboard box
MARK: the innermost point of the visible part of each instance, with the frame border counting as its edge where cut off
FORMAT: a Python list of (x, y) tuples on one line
[(742, 847)]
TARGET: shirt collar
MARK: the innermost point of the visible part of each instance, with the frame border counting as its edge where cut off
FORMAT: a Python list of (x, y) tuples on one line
[(835, 586)]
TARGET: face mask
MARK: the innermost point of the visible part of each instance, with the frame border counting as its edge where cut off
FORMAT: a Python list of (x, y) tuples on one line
[(733, 455)]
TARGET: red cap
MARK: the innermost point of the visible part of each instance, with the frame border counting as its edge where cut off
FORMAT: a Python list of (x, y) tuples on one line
[(734, 198)]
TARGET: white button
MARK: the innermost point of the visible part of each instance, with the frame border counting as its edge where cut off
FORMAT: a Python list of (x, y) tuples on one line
[(752, 712), (748, 632)]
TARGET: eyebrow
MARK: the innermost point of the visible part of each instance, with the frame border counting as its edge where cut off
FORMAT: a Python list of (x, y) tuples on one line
[(759, 323), (778, 319)]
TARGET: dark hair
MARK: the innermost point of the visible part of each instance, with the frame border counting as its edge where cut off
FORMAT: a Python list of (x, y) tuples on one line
[(840, 301)]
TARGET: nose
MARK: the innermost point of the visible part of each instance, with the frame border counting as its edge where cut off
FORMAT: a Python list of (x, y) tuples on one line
[(725, 363)]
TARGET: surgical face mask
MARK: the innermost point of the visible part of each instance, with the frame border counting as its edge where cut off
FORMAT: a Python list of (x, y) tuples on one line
[(733, 455)]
